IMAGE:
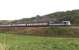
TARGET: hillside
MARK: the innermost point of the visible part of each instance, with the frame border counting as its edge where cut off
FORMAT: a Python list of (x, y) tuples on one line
[(72, 16)]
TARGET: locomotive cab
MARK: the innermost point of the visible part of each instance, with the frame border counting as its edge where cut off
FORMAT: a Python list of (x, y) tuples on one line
[(66, 23)]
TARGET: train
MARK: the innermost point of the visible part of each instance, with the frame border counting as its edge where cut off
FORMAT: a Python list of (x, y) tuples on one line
[(44, 24)]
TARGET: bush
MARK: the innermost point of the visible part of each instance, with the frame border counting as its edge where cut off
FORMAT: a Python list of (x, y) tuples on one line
[(48, 31)]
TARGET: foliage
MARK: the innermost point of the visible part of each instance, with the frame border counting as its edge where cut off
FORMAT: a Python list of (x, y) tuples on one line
[(44, 31)]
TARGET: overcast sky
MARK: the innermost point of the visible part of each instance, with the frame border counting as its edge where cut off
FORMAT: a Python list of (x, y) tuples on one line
[(17, 9)]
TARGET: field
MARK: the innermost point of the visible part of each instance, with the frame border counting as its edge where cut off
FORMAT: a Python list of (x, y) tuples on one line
[(24, 42)]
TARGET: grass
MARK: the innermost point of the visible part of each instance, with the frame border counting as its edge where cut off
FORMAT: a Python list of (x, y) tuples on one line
[(24, 42)]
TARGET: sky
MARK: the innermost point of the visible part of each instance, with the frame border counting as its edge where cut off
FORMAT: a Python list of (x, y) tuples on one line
[(17, 9)]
